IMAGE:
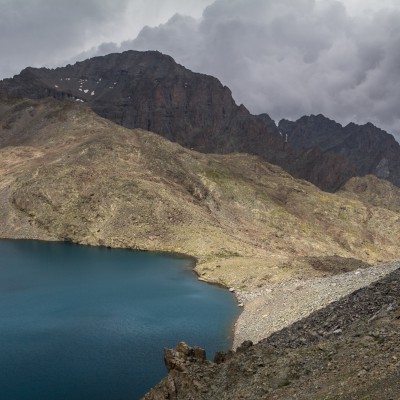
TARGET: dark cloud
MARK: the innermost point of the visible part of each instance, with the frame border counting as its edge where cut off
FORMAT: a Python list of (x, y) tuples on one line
[(293, 57), (53, 32), (285, 57), (43, 32)]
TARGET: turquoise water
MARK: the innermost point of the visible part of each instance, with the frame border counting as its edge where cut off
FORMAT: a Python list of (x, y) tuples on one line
[(90, 323)]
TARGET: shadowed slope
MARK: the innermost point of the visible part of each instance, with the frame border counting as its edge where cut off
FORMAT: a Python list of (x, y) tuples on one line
[(148, 90), (366, 148)]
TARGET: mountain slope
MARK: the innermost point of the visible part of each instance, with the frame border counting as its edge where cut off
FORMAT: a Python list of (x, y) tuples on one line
[(368, 149), (374, 191), (82, 178), (148, 90)]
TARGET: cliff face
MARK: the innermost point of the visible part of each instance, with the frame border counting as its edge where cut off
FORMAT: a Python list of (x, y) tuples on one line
[(148, 90), (365, 149), (327, 170)]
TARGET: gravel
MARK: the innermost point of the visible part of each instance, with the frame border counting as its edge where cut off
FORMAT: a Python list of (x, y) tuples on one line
[(273, 307)]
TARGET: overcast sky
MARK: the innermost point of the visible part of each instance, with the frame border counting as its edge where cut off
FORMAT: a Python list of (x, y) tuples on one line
[(284, 57)]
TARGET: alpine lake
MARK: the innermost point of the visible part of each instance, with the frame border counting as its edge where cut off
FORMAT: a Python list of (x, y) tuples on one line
[(82, 322)]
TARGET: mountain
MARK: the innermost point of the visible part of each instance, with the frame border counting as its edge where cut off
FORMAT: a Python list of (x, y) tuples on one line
[(366, 148), (68, 174), (148, 90)]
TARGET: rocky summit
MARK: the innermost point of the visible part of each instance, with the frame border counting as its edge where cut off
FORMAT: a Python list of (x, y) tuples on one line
[(149, 90)]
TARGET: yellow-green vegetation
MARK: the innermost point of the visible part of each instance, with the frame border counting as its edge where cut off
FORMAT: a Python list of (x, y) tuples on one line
[(75, 176)]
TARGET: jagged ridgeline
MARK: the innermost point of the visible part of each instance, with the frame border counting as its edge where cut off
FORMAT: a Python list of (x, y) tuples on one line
[(148, 90), (365, 149)]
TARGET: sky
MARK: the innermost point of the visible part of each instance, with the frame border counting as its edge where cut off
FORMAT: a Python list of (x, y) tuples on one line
[(287, 58)]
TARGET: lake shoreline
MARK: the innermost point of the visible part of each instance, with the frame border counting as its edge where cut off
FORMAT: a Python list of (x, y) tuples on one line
[(254, 320)]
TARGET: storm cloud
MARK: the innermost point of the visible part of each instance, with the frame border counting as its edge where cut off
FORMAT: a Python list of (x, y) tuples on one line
[(285, 57), (293, 57), (52, 32)]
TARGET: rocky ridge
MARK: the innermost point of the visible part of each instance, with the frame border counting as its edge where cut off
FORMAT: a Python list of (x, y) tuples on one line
[(148, 90), (367, 149)]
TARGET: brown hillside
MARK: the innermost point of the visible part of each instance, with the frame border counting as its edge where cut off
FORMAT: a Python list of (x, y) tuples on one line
[(75, 176)]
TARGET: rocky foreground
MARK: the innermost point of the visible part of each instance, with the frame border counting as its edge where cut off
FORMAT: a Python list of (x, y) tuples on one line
[(348, 350), (273, 307)]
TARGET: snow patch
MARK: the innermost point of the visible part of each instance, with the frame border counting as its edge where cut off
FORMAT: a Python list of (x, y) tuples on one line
[(92, 94), (86, 90), (56, 86)]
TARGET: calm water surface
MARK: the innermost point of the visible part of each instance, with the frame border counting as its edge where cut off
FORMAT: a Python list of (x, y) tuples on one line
[(90, 323)]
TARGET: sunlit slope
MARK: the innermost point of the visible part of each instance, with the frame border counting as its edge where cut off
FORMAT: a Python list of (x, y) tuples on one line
[(68, 174)]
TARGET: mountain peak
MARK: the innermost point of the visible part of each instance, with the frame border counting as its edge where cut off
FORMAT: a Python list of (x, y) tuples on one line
[(367, 149), (149, 90)]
